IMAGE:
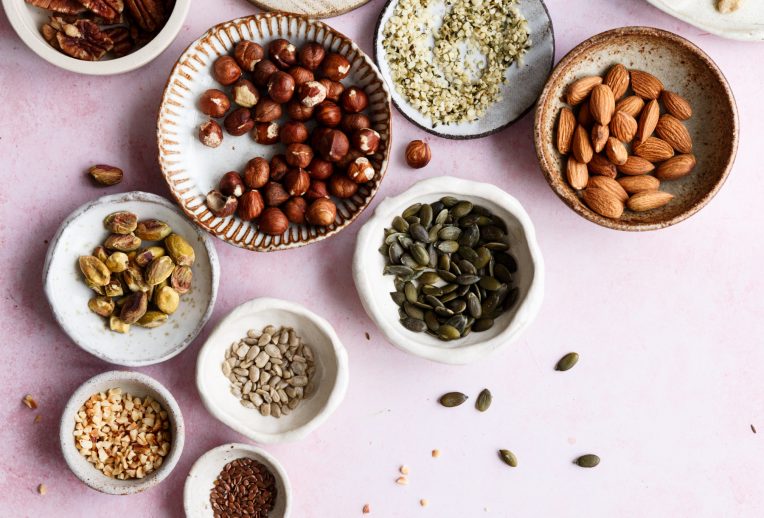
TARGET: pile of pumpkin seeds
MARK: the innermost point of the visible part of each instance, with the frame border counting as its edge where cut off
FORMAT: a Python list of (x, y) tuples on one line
[(453, 271)]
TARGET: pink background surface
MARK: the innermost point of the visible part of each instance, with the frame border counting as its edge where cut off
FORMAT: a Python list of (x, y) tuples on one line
[(668, 323)]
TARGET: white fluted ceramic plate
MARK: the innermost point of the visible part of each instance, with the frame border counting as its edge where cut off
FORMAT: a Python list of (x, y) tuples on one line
[(312, 8), (747, 23)]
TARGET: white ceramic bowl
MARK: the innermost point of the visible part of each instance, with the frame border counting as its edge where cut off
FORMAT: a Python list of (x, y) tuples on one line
[(199, 483), (330, 378), (27, 21), (68, 295), (374, 287), (136, 384)]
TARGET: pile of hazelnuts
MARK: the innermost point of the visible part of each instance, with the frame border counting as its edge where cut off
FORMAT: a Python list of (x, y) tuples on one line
[(326, 136)]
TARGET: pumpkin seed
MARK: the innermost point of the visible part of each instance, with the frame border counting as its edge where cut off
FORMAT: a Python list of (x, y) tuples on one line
[(468, 253), (418, 233), (469, 236), (512, 298), (461, 209), (400, 224), (502, 273), (448, 332), (432, 321), (567, 362), (412, 210), (384, 249), (457, 306), (483, 257), (452, 399), (449, 233), (492, 233), (449, 201), (430, 278), (447, 247), (413, 324), (496, 246), (410, 291), (433, 233), (420, 254), (398, 297), (432, 290), (413, 311), (433, 301), (458, 322), (395, 252), (589, 460), (448, 297), (444, 262), (442, 215), (490, 284), (446, 275), (467, 267), (408, 260), (467, 278), (482, 324), (473, 305), (484, 400), (508, 457), (397, 270), (475, 219), (425, 215)]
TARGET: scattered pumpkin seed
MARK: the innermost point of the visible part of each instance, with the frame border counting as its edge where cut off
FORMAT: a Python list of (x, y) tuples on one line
[(567, 362), (508, 457), (484, 400), (452, 399), (589, 460)]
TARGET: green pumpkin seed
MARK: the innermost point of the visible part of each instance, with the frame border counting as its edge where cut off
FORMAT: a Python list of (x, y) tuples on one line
[(442, 215), (502, 273), (457, 306), (496, 246), (443, 311), (412, 324), (589, 460), (492, 233), (447, 247), (567, 362), (473, 305), (398, 297), (413, 311), (444, 262), (412, 210), (435, 291), (512, 299), (395, 252), (452, 399), (397, 270), (448, 297), (455, 269), (430, 278), (405, 241), (418, 233), (425, 215), (475, 219), (448, 288), (467, 278), (483, 257), (420, 254), (400, 224), (432, 321), (508, 457), (433, 256), (458, 322), (449, 201), (384, 249), (449, 233), (490, 284), (432, 301), (447, 332), (482, 324), (468, 253), (408, 260), (467, 267), (446, 275), (484, 400), (421, 305), (469, 236), (461, 209), (410, 291), (433, 233)]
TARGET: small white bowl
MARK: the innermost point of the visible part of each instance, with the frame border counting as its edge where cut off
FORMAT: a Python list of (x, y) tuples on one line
[(200, 480), (68, 295), (330, 378), (374, 287), (27, 21), (136, 384)]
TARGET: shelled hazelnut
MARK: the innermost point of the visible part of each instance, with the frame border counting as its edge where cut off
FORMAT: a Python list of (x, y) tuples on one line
[(311, 93), (279, 167), (317, 134), (282, 53), (298, 111), (301, 75), (239, 122), (328, 114), (299, 155), (334, 89), (257, 173), (274, 194), (342, 187), (360, 170), (333, 145), (317, 189), (344, 162), (335, 67), (266, 110), (321, 212), (311, 55), (248, 54), (418, 154), (226, 71), (354, 100), (293, 132), (210, 134), (320, 169), (245, 93), (273, 222), (294, 209), (250, 205), (266, 133), (365, 140), (281, 87), (297, 182), (354, 121), (214, 103), (231, 184), (263, 71), (220, 205)]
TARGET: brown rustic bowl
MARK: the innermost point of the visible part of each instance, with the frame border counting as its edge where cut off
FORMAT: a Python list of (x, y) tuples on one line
[(192, 170), (683, 68)]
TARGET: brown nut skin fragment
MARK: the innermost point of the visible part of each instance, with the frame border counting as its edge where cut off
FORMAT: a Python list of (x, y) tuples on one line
[(220, 205), (211, 134), (251, 205), (248, 54), (311, 55), (226, 71), (134, 307), (294, 209), (257, 173), (106, 175), (335, 67), (321, 212), (418, 154), (273, 222), (214, 103)]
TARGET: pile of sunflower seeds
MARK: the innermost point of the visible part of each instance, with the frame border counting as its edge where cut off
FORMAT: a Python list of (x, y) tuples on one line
[(453, 272), (271, 370)]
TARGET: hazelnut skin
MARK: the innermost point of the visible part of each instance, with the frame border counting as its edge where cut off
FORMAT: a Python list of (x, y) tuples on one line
[(266, 133), (282, 53), (320, 169), (266, 110), (274, 194), (294, 209), (211, 134), (299, 112), (297, 182), (263, 71), (328, 114), (279, 167), (239, 122), (334, 145), (311, 55), (226, 71), (335, 67), (311, 93), (257, 173), (250, 205), (334, 89), (365, 140), (321, 212), (293, 132), (220, 205), (214, 103), (299, 155), (231, 184), (354, 121), (248, 54), (418, 154), (245, 93), (301, 75), (317, 190), (273, 222), (342, 187), (354, 100), (281, 87)]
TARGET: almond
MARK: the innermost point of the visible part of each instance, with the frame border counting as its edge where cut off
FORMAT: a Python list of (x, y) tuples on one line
[(582, 148), (603, 202), (585, 118), (635, 165), (578, 90), (676, 167), (648, 200), (616, 151), (654, 150), (648, 120), (643, 182), (617, 79), (600, 135), (577, 174), (601, 166), (565, 126), (623, 126), (610, 185), (646, 85), (676, 105), (602, 104), (631, 105), (673, 131)]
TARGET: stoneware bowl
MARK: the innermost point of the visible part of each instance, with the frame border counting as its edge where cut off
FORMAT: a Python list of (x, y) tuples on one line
[(330, 378), (312, 8), (201, 478), (68, 295), (747, 23), (374, 287), (683, 68), (524, 85), (136, 384), (192, 169), (27, 21)]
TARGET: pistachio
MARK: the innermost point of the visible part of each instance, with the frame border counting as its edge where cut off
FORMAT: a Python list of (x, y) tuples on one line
[(114, 288), (589, 460), (134, 307), (94, 287), (117, 262), (158, 270), (102, 306), (95, 271), (567, 362), (133, 279), (484, 400), (152, 319), (122, 222), (118, 325), (166, 299), (100, 253), (144, 256), (152, 230), (181, 278), (122, 242), (179, 249), (508, 457)]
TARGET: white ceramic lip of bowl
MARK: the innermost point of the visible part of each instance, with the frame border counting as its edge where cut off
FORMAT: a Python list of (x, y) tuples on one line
[(196, 492), (27, 20), (331, 359), (745, 24), (373, 287), (141, 346), (134, 383)]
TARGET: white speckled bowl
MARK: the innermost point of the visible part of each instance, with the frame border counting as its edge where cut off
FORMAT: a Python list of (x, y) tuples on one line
[(331, 375), (374, 287), (136, 384), (747, 23), (200, 480), (68, 295)]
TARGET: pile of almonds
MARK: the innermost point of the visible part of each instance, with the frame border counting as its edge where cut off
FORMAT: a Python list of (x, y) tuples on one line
[(613, 157)]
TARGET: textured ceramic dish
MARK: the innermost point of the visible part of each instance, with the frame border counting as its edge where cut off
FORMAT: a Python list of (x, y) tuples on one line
[(330, 378), (201, 478), (68, 296), (374, 288), (312, 8), (27, 20), (192, 170), (747, 23), (525, 82), (136, 384), (683, 68)]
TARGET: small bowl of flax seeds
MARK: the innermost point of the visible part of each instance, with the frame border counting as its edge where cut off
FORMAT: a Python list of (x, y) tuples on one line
[(237, 480)]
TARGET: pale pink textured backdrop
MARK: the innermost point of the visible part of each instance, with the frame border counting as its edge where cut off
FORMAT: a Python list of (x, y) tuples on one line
[(669, 324)]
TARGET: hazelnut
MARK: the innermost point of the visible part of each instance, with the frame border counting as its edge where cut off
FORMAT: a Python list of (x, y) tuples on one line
[(299, 155), (334, 145), (250, 205), (245, 93), (354, 100), (225, 70), (299, 112), (248, 54), (239, 122), (311, 93), (273, 222), (267, 110), (256, 173), (297, 182), (311, 55), (344, 162), (263, 71), (282, 53), (294, 209), (354, 121), (360, 170), (316, 135), (231, 184), (279, 167), (317, 190), (301, 75), (220, 205), (293, 132), (335, 67), (281, 87), (214, 103), (266, 133), (342, 187), (274, 194), (328, 114), (418, 154), (211, 134), (334, 89), (365, 140), (320, 169), (321, 212)]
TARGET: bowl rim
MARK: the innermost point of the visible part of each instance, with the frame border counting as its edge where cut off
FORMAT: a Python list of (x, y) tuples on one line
[(128, 63), (354, 47), (258, 454), (368, 239), (145, 197), (539, 137), (80, 395), (336, 396), (264, 5)]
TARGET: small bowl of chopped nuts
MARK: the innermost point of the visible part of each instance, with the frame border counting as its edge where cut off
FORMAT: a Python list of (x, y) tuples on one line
[(121, 432), (272, 370)]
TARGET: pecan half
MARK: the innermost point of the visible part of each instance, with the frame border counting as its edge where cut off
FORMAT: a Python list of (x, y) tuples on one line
[(59, 6), (83, 40), (148, 14), (123, 43), (107, 9)]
